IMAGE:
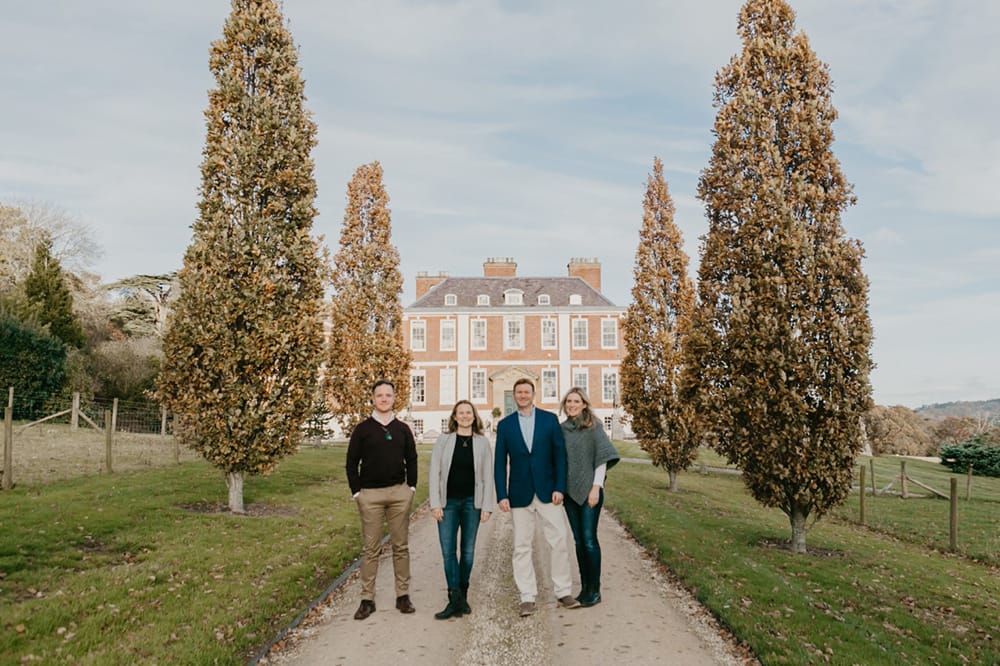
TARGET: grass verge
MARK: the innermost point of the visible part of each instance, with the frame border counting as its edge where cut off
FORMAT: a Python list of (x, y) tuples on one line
[(859, 597), (139, 567)]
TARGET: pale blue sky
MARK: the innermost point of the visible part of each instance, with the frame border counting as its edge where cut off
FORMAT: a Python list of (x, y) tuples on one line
[(526, 129)]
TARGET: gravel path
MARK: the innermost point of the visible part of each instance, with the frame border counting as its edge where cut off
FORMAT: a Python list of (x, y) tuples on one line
[(644, 617)]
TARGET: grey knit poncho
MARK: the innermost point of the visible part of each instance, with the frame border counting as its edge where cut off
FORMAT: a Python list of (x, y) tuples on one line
[(586, 450)]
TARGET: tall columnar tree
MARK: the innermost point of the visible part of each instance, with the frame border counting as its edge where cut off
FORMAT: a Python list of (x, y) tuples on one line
[(662, 302), (243, 344), (48, 296), (366, 315), (781, 344)]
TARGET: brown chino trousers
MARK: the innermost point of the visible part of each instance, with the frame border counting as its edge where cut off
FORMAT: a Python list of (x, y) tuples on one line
[(377, 507)]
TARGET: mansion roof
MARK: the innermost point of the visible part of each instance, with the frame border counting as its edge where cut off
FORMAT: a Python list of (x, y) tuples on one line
[(468, 290)]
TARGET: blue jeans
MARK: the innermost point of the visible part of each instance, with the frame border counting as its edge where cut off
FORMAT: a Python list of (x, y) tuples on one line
[(583, 521), (458, 514)]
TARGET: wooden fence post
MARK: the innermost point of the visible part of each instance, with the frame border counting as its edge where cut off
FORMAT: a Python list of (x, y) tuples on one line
[(114, 415), (953, 514), (74, 419), (10, 397), (871, 463), (862, 494), (8, 448), (968, 484), (904, 493), (163, 420), (109, 434)]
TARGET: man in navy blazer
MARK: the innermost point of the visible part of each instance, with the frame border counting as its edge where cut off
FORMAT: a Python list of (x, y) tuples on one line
[(532, 441)]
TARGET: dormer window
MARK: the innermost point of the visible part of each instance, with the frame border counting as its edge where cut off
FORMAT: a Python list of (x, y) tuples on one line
[(483, 299), (543, 299), (513, 297), (450, 299), (575, 299)]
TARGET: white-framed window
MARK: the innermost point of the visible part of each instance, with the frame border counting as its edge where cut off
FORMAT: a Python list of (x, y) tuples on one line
[(447, 386), (579, 334), (513, 333), (483, 299), (581, 378), (513, 297), (543, 299), (418, 387), (447, 335), (477, 334), (549, 340), (575, 299), (609, 384), (477, 385), (418, 335), (550, 385), (444, 425), (450, 299), (609, 334), (418, 428), (609, 421)]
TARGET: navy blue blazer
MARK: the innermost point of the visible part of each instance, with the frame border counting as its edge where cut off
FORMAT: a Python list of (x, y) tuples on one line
[(538, 473)]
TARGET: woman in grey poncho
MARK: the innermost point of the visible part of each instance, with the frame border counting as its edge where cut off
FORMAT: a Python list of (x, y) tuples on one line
[(589, 455)]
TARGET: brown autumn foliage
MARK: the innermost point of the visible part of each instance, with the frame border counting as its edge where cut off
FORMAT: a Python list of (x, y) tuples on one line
[(662, 301), (779, 353), (898, 430), (243, 344), (366, 314)]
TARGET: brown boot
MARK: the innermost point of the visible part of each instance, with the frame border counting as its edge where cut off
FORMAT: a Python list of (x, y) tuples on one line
[(366, 608)]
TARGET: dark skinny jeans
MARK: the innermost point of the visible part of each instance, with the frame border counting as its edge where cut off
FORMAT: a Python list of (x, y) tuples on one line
[(459, 514), (583, 521)]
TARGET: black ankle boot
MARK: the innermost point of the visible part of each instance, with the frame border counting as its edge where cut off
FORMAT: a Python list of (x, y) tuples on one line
[(452, 609), (584, 592), (593, 594), (463, 599)]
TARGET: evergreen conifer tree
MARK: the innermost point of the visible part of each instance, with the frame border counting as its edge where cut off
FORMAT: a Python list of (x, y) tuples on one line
[(48, 297)]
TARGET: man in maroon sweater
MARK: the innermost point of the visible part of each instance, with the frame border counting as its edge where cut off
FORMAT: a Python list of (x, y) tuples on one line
[(382, 473)]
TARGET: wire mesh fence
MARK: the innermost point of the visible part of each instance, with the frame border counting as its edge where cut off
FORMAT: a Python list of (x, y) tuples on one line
[(46, 438)]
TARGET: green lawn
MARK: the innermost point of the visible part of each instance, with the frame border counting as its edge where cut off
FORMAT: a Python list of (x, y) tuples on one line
[(925, 520), (129, 568), (630, 449), (861, 597)]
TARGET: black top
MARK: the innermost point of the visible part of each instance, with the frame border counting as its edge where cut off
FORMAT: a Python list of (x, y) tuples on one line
[(379, 456), (462, 475)]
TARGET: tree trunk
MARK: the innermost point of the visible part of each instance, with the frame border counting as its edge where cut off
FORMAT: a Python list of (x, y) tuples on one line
[(234, 480), (798, 521), (673, 479)]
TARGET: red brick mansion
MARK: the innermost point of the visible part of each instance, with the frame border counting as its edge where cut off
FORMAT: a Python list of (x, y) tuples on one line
[(473, 337)]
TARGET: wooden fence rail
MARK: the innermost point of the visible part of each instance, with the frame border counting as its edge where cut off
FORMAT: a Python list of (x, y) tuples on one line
[(77, 414)]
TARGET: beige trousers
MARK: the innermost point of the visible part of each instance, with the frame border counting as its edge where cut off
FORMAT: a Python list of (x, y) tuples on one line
[(377, 507), (553, 522)]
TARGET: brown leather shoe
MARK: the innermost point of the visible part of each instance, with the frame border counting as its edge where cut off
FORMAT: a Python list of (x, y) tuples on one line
[(366, 608), (404, 605)]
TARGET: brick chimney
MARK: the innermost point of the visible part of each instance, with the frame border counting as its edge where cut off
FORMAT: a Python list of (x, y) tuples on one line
[(426, 281), (587, 269), (499, 267)]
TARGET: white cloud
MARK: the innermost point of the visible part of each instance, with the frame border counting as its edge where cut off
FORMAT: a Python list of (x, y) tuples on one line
[(526, 128)]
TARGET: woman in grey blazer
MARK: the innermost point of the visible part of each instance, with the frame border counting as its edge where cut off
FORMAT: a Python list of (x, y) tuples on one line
[(461, 496)]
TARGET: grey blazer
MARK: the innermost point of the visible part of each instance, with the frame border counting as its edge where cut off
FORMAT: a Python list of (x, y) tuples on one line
[(482, 456)]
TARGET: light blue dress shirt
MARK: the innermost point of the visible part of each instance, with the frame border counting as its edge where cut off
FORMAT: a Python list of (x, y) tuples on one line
[(527, 424)]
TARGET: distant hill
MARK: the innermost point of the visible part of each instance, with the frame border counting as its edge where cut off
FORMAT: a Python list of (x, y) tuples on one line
[(938, 411)]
